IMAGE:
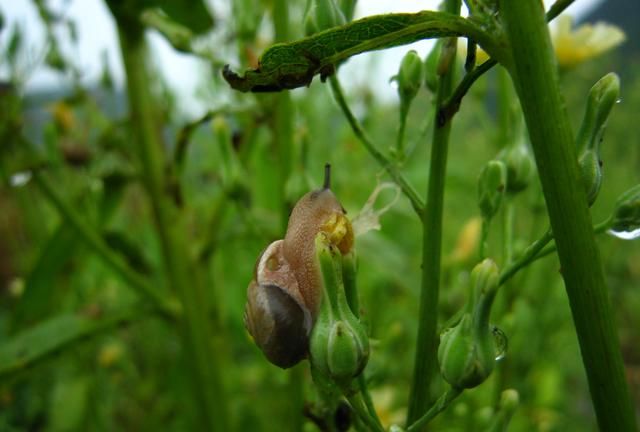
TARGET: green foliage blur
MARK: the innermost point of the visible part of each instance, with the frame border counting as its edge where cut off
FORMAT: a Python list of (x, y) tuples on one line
[(126, 369)]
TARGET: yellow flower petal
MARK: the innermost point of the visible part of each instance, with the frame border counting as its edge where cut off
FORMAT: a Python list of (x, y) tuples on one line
[(584, 42)]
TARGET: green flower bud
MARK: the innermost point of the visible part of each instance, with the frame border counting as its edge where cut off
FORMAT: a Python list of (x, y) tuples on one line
[(467, 352), (602, 96), (519, 162), (591, 174), (339, 347), (409, 77), (431, 67), (626, 215), (491, 188), (322, 15)]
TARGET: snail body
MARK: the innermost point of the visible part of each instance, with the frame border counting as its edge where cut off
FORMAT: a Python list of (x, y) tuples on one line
[(283, 299)]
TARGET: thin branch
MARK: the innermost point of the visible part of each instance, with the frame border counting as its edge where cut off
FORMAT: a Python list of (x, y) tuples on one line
[(441, 404), (390, 167), (110, 257), (452, 105)]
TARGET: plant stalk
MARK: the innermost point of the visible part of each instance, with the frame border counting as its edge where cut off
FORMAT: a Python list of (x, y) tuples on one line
[(196, 331), (533, 70), (426, 362), (110, 257), (283, 124), (391, 168)]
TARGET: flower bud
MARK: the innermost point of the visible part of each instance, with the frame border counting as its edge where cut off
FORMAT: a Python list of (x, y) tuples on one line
[(602, 96), (339, 347), (591, 174), (491, 188), (409, 77), (322, 15), (467, 351), (517, 158), (626, 215), (431, 67)]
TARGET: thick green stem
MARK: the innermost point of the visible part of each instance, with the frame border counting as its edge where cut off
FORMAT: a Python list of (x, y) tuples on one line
[(453, 103), (426, 364), (196, 330), (283, 125), (283, 115), (535, 75)]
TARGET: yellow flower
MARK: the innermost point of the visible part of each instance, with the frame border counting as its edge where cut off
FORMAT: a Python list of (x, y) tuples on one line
[(584, 42), (467, 243)]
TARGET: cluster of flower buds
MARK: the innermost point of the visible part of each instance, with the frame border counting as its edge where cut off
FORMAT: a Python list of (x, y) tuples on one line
[(339, 347)]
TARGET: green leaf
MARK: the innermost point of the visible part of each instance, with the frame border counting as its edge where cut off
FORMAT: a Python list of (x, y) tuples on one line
[(292, 65), (52, 336)]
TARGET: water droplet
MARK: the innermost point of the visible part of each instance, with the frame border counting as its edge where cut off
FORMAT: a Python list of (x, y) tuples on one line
[(502, 343), (20, 179), (625, 235)]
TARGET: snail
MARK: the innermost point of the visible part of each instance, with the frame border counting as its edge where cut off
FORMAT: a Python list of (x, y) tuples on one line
[(284, 296)]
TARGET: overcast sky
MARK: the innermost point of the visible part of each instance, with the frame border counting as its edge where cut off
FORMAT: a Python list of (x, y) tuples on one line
[(97, 33)]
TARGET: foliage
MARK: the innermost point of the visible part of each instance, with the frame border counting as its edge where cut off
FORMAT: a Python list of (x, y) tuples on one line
[(129, 235)]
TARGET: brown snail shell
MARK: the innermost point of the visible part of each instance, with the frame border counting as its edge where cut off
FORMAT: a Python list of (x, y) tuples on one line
[(275, 313), (283, 299)]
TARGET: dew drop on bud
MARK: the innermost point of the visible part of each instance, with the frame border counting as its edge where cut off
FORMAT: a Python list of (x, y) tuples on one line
[(20, 179), (625, 235), (501, 342)]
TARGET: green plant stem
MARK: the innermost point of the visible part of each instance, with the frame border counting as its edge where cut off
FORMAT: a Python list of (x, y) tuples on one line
[(400, 138), (93, 239), (440, 405), (453, 102), (366, 397), (426, 364), (507, 230), (283, 124), (390, 167), (550, 248), (540, 249), (529, 255), (359, 408), (535, 75), (196, 333)]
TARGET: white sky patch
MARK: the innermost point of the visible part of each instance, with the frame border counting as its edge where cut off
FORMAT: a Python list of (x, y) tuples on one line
[(183, 73)]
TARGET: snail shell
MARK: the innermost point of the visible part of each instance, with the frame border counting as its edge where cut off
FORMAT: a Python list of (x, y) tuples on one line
[(275, 314), (283, 299)]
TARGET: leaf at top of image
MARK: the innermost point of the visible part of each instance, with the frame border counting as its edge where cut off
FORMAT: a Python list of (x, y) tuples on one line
[(292, 65)]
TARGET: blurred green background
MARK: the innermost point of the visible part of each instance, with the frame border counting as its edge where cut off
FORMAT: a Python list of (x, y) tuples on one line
[(131, 375)]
